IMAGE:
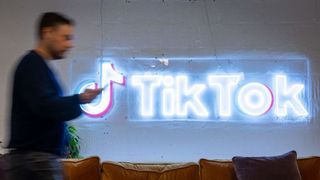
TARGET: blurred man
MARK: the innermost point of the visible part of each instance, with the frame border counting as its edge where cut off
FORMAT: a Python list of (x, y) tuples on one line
[(39, 111)]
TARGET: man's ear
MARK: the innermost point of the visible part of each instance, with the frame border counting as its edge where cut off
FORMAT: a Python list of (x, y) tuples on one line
[(46, 32)]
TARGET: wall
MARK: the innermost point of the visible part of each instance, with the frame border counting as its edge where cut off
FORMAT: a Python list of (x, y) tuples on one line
[(228, 29)]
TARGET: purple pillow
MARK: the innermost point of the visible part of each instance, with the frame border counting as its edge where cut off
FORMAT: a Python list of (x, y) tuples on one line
[(282, 167)]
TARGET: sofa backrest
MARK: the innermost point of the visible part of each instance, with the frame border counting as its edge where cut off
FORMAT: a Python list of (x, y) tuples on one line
[(309, 168), (82, 169), (91, 169), (223, 169), (216, 169), (144, 171)]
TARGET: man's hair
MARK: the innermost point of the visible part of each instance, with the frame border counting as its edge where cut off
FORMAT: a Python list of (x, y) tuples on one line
[(52, 19)]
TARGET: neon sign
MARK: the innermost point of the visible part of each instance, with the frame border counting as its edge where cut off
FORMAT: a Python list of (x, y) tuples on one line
[(208, 96), (180, 99), (177, 97), (108, 76)]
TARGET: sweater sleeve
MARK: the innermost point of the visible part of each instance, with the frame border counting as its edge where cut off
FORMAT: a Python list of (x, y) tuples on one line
[(41, 95)]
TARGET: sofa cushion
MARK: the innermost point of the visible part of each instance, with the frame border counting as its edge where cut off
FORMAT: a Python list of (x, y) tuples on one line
[(134, 171), (309, 168), (282, 167), (216, 169), (81, 169)]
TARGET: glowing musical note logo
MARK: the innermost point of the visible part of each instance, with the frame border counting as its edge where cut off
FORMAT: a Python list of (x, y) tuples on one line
[(108, 76)]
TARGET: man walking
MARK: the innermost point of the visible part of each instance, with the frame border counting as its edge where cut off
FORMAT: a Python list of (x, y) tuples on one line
[(39, 110)]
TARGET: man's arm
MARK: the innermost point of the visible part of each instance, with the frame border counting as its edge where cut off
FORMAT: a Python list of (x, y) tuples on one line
[(41, 96)]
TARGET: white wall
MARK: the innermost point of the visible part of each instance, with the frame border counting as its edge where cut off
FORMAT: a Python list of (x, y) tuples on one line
[(224, 29)]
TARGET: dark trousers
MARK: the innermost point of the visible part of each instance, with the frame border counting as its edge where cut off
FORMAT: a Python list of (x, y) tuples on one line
[(30, 165)]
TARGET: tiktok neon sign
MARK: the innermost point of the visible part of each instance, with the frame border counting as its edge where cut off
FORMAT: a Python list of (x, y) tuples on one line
[(178, 98), (223, 95), (108, 76)]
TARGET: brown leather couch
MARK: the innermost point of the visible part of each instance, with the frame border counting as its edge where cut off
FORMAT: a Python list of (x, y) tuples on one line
[(91, 169)]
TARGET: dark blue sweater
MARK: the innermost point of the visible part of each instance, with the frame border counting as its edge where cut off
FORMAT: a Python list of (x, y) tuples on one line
[(39, 110)]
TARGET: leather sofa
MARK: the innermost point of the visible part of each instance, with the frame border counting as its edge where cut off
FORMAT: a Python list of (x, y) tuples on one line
[(92, 169)]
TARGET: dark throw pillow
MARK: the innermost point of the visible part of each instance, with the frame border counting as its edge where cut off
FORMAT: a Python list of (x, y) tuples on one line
[(283, 167)]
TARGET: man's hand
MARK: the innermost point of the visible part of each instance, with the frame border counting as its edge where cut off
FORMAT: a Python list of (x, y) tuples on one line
[(88, 95)]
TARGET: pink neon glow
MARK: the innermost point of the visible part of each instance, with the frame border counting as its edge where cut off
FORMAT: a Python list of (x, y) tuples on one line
[(272, 100)]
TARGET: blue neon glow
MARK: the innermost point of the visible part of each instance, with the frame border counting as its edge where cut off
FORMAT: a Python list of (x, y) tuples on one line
[(288, 97), (224, 85), (255, 99), (159, 90), (146, 84), (188, 98)]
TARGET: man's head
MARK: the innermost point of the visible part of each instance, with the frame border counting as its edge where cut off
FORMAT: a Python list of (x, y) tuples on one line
[(55, 33)]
